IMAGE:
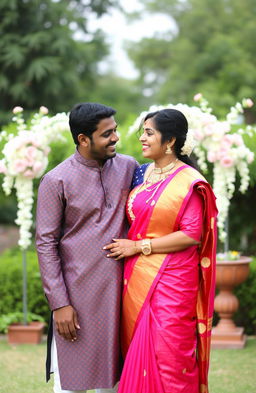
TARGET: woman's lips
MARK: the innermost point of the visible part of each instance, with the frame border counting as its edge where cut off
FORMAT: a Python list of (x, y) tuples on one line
[(145, 147)]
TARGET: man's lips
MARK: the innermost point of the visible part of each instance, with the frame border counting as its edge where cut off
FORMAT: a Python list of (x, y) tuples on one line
[(111, 146)]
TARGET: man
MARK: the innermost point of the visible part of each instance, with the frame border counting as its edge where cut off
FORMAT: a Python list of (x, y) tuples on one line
[(81, 207)]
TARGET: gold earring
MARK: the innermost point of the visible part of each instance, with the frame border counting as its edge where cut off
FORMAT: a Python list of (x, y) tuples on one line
[(168, 150)]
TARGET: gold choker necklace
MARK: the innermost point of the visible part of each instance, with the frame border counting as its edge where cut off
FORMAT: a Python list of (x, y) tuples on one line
[(158, 174)]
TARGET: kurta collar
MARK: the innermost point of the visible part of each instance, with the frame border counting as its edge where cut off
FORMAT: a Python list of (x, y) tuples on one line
[(90, 163)]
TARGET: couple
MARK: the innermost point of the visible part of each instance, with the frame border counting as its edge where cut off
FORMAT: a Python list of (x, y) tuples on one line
[(169, 270)]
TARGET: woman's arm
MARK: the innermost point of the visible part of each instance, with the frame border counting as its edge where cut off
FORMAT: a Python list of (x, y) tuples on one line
[(189, 234), (176, 241)]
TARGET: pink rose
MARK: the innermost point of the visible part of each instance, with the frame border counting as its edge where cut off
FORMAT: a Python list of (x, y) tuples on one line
[(17, 109), (198, 97), (31, 154), (212, 156), (43, 110), (198, 135), (29, 173), (37, 167), (3, 168), (248, 103), (227, 162), (20, 165)]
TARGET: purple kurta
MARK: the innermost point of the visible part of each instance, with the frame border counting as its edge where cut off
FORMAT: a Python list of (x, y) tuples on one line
[(81, 207)]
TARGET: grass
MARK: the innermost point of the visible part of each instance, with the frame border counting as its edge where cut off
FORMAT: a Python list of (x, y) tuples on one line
[(22, 369)]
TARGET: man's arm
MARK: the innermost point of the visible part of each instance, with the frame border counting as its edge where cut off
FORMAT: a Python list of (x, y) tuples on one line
[(50, 215)]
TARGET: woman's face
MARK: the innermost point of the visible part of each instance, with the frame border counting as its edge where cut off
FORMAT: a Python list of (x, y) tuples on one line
[(151, 141)]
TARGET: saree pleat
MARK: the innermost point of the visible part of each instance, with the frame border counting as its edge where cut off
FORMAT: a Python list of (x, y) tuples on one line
[(139, 362)]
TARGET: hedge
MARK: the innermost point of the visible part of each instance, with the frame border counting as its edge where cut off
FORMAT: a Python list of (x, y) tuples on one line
[(11, 284), (11, 289)]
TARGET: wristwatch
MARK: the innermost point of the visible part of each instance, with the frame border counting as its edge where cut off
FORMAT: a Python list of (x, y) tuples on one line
[(146, 247)]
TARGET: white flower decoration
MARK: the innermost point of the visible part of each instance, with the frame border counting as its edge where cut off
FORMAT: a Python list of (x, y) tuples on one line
[(189, 144), (25, 157)]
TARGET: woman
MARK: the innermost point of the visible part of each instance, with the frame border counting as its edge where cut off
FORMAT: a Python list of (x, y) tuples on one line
[(169, 266)]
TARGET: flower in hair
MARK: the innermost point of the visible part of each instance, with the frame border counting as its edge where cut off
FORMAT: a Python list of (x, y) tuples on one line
[(189, 144)]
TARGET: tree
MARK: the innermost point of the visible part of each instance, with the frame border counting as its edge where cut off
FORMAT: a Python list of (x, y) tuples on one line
[(211, 50), (40, 60)]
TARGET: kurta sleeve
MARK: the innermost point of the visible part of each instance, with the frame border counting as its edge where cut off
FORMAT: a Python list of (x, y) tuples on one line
[(192, 219), (50, 212)]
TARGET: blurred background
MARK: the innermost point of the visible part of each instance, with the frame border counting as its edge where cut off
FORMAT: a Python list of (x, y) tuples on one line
[(128, 54)]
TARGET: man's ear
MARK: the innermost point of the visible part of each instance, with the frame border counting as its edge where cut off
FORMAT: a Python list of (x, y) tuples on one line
[(83, 140)]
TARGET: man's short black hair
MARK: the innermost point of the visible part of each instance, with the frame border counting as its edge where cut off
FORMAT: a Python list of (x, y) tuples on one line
[(84, 118)]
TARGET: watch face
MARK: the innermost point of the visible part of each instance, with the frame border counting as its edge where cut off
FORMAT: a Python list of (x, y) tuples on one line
[(146, 250)]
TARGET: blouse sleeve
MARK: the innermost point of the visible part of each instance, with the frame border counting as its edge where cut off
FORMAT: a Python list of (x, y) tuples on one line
[(192, 219), (138, 175)]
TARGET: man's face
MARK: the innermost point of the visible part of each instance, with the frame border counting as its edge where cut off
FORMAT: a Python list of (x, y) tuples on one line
[(103, 142)]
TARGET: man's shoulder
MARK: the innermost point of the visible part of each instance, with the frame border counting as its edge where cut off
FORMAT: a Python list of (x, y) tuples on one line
[(60, 170), (123, 158)]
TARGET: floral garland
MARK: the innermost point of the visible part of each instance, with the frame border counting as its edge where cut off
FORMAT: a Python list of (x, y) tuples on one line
[(25, 157), (214, 143)]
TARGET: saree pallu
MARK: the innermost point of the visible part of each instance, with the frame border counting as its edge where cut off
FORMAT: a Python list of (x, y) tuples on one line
[(168, 298)]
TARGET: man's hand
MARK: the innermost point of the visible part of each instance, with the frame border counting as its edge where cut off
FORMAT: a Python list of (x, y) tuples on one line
[(66, 322)]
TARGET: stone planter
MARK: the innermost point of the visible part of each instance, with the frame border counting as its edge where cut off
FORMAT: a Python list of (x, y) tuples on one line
[(25, 334), (228, 275)]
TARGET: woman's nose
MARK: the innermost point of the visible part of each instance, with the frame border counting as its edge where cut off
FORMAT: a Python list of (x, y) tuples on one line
[(142, 137)]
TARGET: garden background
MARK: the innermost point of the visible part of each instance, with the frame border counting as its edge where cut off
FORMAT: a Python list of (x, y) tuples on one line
[(49, 56)]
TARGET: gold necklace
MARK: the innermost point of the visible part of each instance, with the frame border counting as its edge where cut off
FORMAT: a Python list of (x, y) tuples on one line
[(158, 174)]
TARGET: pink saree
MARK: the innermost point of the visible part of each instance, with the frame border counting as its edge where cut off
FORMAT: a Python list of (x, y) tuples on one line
[(168, 298)]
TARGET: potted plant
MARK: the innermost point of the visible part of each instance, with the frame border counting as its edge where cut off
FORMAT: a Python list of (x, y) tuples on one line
[(25, 157), (232, 270), (18, 333)]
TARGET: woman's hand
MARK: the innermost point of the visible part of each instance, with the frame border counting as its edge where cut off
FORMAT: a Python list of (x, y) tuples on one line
[(122, 248)]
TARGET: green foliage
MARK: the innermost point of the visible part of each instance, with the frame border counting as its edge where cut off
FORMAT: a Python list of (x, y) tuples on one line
[(17, 318), (246, 293), (210, 50), (123, 95), (11, 284), (41, 62)]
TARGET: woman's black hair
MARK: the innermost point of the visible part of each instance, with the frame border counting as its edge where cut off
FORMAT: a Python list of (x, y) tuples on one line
[(172, 123)]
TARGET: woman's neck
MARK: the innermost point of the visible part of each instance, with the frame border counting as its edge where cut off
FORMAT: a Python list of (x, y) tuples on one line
[(164, 161)]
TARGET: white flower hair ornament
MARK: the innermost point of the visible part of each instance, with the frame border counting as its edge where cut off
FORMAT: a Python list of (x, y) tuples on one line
[(189, 144)]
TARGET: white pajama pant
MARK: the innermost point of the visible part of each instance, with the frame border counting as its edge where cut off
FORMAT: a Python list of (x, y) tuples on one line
[(55, 369)]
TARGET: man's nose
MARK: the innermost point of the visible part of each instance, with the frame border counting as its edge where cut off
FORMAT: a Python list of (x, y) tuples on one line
[(114, 137)]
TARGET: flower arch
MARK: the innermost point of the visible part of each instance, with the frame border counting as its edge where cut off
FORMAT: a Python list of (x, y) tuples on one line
[(215, 142)]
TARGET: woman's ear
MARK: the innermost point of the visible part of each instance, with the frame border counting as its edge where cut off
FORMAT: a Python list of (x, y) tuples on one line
[(172, 141)]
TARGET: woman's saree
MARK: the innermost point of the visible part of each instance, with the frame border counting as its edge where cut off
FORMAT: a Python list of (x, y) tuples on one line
[(168, 298)]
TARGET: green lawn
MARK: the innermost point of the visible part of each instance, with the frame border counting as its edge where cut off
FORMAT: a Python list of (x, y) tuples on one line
[(22, 369)]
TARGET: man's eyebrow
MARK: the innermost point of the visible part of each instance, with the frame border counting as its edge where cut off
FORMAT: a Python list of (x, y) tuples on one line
[(111, 129)]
